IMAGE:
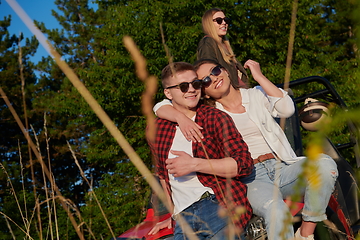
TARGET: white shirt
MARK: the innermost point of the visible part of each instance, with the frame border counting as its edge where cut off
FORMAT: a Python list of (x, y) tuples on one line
[(187, 189), (250, 133)]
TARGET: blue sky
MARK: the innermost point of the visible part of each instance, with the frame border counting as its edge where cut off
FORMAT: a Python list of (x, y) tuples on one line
[(39, 10)]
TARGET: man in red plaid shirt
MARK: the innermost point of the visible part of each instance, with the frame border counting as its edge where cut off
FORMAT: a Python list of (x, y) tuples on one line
[(200, 177)]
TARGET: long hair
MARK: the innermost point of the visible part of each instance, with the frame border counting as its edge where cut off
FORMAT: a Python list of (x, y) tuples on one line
[(222, 42), (208, 100)]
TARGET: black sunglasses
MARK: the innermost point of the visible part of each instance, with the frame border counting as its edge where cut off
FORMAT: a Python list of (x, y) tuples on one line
[(184, 86), (216, 71), (219, 20)]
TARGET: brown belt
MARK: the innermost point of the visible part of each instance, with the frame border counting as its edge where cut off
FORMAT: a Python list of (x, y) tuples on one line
[(264, 157)]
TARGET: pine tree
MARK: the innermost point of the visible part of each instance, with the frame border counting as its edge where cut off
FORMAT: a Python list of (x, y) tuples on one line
[(91, 43), (17, 83)]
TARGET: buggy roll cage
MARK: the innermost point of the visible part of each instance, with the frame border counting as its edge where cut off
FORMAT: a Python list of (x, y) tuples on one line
[(329, 93)]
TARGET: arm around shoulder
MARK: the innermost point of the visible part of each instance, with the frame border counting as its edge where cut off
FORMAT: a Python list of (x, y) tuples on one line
[(189, 128)]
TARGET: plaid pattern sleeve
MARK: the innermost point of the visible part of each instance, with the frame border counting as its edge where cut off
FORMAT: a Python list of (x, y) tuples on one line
[(160, 148), (222, 139)]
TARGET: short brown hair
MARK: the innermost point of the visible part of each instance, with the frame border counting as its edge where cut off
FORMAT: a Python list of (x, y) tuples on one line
[(173, 68)]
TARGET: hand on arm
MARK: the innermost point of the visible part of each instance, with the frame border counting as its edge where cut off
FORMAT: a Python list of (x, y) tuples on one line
[(185, 164), (259, 77), (189, 128)]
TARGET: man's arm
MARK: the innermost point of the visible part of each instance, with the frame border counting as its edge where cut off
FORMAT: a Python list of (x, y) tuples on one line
[(189, 128), (167, 222), (185, 164)]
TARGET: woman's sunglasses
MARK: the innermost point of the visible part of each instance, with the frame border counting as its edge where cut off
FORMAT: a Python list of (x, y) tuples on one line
[(219, 20), (184, 86), (216, 71)]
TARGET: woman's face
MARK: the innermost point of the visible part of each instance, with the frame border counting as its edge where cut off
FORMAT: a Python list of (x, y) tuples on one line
[(221, 29), (219, 84)]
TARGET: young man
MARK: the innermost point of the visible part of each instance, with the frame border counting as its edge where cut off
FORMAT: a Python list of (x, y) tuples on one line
[(200, 176)]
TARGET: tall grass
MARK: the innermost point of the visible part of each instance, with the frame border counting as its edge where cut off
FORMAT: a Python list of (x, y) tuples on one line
[(53, 194)]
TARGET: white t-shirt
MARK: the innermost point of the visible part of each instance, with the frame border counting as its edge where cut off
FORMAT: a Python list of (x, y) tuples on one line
[(250, 133), (186, 189)]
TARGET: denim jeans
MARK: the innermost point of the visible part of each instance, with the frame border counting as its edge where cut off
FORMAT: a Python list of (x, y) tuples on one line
[(272, 181), (202, 217)]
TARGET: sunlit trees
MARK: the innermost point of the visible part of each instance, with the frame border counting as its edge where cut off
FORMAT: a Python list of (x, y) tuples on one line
[(90, 41)]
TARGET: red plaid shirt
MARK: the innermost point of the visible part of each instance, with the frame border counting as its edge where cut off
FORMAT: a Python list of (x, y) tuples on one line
[(221, 139)]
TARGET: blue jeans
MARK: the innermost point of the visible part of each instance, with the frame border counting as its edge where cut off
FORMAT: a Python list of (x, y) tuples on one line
[(202, 217), (272, 181)]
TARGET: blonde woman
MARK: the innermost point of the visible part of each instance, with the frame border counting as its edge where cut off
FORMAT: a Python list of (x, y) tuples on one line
[(215, 46)]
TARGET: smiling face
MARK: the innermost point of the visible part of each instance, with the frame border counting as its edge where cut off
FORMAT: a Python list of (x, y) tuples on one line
[(184, 102), (221, 29), (219, 85)]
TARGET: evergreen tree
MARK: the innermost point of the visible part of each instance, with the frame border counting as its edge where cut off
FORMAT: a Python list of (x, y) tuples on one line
[(91, 43), (17, 82)]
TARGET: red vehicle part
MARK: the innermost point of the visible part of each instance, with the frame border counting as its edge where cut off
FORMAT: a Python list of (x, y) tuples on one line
[(334, 205), (141, 230)]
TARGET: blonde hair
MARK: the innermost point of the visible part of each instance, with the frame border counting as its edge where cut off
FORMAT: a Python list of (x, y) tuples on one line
[(209, 29)]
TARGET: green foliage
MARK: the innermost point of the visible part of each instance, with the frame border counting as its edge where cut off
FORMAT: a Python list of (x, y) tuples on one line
[(123, 198), (90, 41)]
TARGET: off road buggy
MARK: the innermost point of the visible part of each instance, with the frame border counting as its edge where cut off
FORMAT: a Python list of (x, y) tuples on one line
[(343, 209)]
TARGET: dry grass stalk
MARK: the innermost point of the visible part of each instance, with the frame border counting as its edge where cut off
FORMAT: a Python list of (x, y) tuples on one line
[(92, 191), (39, 157), (12, 190), (332, 226), (10, 229), (52, 192), (290, 53), (25, 219), (24, 192), (231, 209), (290, 45), (45, 186), (25, 112), (38, 213), (147, 99), (167, 51), (16, 225), (22, 78)]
